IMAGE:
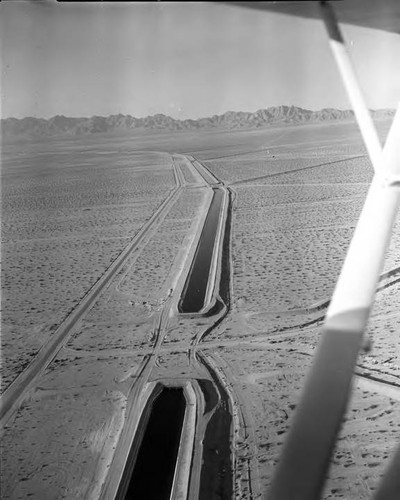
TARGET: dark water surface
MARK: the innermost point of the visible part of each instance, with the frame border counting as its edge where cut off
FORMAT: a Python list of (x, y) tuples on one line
[(153, 474)]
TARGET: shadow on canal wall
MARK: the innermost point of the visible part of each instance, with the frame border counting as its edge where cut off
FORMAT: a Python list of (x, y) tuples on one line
[(216, 479), (150, 467)]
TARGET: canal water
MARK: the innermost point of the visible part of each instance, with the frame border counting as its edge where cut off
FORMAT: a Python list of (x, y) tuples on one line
[(194, 292), (153, 472)]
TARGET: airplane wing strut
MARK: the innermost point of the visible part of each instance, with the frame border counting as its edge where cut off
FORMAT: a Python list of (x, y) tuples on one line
[(304, 462)]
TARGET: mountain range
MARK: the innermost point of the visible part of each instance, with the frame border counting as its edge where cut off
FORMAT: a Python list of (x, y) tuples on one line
[(66, 126)]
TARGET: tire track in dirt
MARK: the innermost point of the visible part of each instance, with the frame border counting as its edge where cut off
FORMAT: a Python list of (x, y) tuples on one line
[(245, 467), (323, 304), (17, 390), (151, 363), (276, 174)]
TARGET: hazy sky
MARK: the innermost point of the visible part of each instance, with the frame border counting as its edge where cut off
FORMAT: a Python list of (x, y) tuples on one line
[(183, 59)]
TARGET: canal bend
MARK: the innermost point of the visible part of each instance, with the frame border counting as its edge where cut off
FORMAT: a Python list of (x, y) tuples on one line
[(153, 457)]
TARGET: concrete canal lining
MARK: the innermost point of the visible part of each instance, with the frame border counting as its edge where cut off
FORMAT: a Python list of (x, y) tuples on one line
[(150, 468), (160, 451), (196, 286)]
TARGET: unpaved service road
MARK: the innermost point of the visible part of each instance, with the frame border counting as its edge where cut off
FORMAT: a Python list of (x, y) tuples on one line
[(242, 359)]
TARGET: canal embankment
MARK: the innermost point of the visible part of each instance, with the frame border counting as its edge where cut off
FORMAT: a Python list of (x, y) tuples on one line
[(158, 454), (201, 277)]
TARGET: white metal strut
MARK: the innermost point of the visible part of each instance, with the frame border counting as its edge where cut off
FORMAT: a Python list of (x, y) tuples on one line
[(305, 459)]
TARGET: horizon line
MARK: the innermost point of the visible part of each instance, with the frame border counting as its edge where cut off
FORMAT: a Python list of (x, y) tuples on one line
[(184, 119)]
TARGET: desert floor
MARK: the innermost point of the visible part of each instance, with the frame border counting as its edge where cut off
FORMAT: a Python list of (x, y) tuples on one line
[(98, 237)]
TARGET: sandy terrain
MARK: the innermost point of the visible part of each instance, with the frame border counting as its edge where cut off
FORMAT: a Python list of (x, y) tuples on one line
[(290, 234), (64, 223), (68, 216)]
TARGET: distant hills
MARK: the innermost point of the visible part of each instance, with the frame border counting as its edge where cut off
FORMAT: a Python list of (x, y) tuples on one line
[(63, 126)]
